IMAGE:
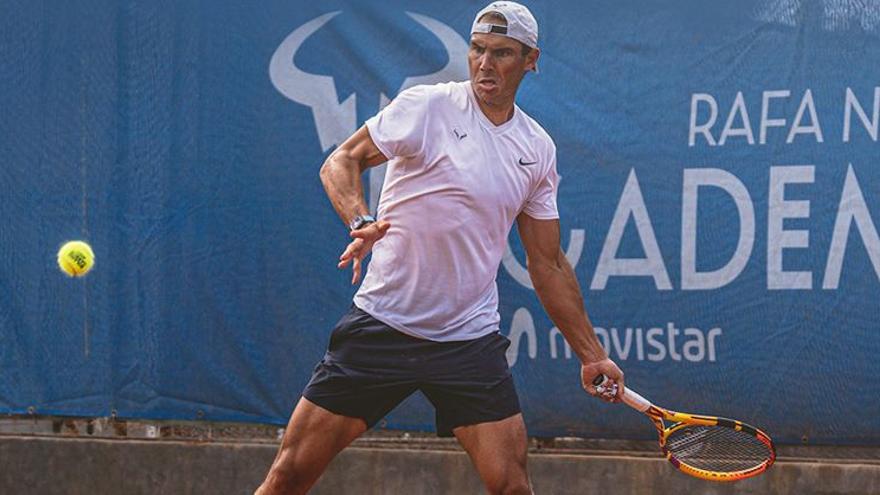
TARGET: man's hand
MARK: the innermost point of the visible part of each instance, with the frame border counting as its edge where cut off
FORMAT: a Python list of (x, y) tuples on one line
[(361, 246), (611, 371)]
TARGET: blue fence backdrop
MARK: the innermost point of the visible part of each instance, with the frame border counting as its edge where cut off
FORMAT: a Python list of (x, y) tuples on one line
[(720, 195)]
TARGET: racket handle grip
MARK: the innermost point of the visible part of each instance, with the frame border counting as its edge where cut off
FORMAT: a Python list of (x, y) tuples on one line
[(630, 397)]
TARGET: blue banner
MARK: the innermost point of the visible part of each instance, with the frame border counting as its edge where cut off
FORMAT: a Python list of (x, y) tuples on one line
[(719, 203)]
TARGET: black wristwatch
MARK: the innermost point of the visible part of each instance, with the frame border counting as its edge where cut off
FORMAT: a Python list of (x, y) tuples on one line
[(361, 221)]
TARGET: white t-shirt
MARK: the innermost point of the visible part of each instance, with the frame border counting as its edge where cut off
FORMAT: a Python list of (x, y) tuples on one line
[(454, 185)]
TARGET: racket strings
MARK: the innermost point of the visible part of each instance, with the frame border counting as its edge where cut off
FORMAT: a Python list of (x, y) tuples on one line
[(717, 448)]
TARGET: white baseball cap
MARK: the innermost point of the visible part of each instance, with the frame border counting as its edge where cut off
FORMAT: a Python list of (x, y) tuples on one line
[(521, 24)]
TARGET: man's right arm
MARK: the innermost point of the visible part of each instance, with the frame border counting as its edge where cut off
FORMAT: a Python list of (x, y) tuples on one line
[(341, 174)]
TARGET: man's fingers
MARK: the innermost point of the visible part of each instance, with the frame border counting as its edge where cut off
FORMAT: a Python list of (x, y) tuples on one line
[(602, 391), (620, 390), (612, 389), (351, 250), (374, 231), (609, 391), (359, 247), (356, 271), (346, 257)]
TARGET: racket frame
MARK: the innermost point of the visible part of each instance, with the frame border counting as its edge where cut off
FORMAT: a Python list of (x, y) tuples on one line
[(681, 420)]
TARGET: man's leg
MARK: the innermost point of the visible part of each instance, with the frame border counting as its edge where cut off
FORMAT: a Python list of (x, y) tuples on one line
[(313, 437), (498, 450)]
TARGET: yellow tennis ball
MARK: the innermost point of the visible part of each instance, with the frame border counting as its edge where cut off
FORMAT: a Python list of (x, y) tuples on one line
[(76, 258)]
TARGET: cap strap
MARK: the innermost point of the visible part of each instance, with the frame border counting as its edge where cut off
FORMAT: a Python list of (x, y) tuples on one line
[(483, 27)]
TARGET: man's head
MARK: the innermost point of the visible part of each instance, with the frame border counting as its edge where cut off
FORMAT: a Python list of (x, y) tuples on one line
[(504, 46)]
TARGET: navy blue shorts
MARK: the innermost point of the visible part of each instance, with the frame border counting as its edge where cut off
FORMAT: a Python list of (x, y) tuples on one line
[(369, 368)]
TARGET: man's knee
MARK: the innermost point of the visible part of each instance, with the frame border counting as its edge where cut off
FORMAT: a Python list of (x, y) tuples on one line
[(289, 475), (511, 481), (510, 487)]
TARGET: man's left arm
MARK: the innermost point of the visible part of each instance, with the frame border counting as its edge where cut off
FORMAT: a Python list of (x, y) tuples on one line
[(560, 294)]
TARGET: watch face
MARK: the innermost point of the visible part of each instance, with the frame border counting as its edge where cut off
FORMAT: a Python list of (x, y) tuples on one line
[(360, 220)]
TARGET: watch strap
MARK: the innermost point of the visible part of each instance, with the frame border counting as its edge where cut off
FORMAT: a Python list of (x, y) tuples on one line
[(361, 221)]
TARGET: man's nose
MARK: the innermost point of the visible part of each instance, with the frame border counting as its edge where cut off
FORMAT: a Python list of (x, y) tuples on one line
[(485, 62)]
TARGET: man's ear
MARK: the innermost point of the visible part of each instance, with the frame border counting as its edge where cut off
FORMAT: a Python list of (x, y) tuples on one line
[(532, 59)]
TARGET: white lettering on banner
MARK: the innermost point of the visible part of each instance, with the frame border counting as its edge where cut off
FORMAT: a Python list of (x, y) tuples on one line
[(632, 343), (852, 209), (631, 204), (706, 127), (813, 128), (852, 103), (521, 326), (766, 121), (806, 121), (778, 238), (738, 109), (555, 335), (691, 279)]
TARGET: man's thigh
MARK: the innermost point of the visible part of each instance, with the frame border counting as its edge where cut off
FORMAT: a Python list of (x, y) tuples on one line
[(315, 435), (498, 449)]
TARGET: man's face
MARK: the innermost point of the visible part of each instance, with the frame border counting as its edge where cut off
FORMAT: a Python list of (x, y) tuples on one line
[(497, 66)]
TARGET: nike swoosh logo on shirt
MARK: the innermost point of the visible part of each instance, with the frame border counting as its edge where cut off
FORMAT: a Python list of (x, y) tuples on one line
[(521, 162)]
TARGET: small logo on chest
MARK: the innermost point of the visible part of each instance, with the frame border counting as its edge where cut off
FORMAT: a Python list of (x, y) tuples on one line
[(526, 163), (459, 133)]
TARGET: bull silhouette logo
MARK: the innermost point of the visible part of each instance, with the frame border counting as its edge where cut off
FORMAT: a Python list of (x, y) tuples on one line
[(335, 120)]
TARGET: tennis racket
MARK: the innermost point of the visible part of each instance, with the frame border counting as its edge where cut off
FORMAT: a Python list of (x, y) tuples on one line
[(706, 447)]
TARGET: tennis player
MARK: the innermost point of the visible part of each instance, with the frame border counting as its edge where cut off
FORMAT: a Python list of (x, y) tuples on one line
[(464, 163)]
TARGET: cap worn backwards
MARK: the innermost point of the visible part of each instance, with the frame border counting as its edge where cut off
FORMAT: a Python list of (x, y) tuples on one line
[(521, 24)]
